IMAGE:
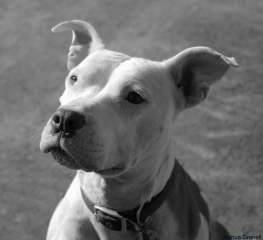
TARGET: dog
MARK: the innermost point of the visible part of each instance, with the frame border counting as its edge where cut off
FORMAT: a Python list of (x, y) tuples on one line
[(115, 127)]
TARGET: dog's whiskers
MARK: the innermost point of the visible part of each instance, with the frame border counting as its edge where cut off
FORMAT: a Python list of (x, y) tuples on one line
[(58, 98), (36, 138), (64, 169)]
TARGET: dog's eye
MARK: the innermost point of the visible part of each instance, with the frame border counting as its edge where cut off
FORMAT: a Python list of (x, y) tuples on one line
[(134, 98), (73, 79)]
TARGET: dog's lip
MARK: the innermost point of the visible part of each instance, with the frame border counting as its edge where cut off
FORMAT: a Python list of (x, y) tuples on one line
[(47, 150), (46, 145), (63, 158)]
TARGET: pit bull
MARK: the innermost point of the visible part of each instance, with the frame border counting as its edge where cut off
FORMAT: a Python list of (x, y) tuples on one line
[(115, 127)]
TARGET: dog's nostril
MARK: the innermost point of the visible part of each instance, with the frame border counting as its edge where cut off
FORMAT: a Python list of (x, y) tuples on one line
[(67, 121), (57, 122), (56, 119)]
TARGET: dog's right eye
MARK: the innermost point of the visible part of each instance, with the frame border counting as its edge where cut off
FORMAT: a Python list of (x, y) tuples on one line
[(73, 79), (134, 98)]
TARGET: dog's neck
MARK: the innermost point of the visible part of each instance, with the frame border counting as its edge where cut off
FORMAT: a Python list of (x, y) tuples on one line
[(131, 189)]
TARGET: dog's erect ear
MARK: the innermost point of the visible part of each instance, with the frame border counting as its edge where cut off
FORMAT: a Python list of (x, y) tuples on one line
[(195, 69), (85, 40)]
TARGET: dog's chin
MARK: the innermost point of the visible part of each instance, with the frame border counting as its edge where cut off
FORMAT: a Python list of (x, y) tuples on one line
[(110, 172), (64, 159)]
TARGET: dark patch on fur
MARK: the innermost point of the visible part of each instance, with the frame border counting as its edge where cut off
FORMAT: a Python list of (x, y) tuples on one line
[(196, 192), (183, 204), (219, 232)]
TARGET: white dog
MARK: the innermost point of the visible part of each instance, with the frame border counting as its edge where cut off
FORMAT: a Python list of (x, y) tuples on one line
[(115, 127)]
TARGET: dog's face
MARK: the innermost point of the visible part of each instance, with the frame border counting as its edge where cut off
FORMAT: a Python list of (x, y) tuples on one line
[(117, 112), (122, 100)]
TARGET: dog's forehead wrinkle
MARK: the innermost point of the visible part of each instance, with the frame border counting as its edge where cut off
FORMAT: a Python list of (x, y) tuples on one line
[(141, 65), (97, 67), (141, 72)]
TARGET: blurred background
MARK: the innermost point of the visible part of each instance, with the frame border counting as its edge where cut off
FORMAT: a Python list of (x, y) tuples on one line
[(219, 142)]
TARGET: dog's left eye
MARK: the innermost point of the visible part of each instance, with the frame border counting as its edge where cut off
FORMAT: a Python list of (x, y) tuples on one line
[(134, 98), (73, 79)]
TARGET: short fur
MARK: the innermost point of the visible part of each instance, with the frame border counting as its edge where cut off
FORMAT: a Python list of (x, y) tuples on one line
[(115, 126)]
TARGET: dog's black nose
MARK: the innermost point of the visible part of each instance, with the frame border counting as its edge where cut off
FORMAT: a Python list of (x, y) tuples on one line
[(66, 122)]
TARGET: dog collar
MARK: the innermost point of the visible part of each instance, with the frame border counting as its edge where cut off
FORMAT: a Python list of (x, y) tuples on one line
[(128, 220)]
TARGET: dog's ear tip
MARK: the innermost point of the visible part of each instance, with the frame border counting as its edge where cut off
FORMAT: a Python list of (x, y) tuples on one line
[(54, 29), (58, 28), (66, 25), (74, 25), (232, 61)]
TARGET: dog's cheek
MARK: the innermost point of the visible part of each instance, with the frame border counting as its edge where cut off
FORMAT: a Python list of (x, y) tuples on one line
[(124, 147), (147, 132)]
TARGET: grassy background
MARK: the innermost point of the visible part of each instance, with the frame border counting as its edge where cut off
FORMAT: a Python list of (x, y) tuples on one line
[(219, 142)]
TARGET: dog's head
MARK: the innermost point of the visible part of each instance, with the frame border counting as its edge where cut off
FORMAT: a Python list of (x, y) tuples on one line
[(118, 111)]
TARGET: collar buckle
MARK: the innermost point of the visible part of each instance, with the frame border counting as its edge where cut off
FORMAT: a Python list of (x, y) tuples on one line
[(110, 219)]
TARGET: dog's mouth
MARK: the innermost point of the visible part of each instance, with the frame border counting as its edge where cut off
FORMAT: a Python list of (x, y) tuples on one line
[(63, 158)]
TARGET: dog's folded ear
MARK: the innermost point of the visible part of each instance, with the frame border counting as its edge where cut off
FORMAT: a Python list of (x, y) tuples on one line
[(195, 69), (85, 40)]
